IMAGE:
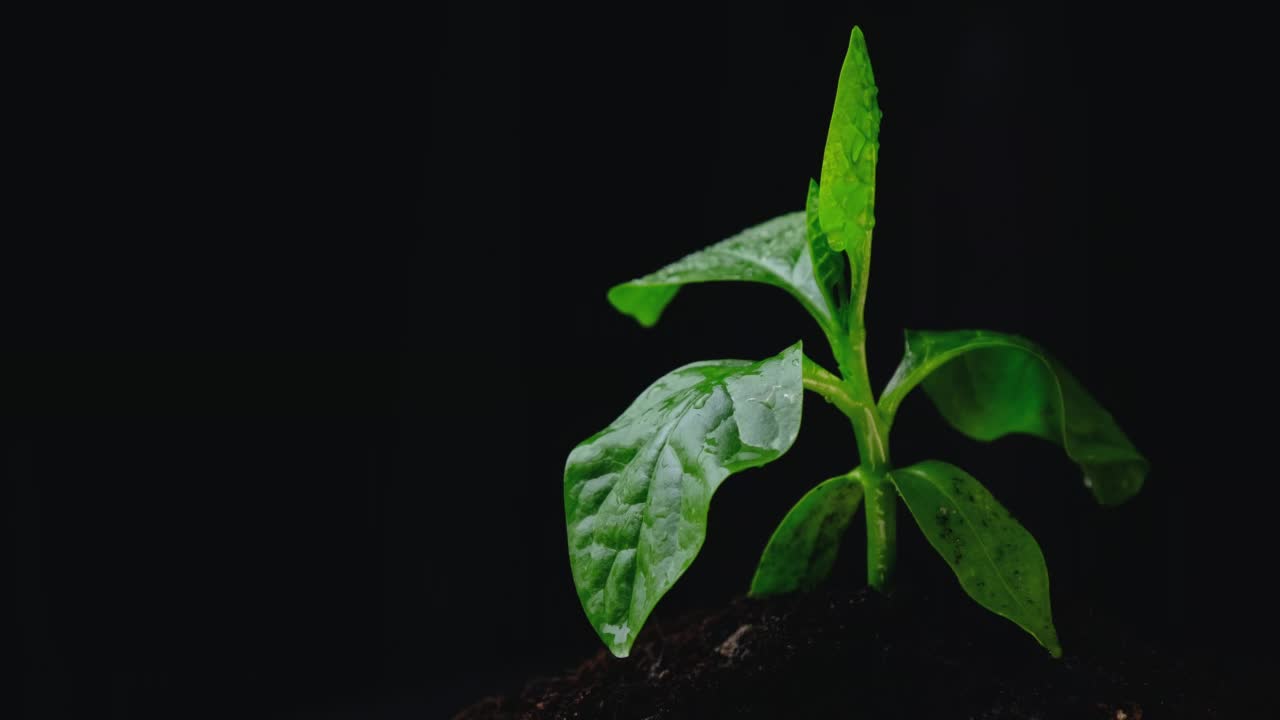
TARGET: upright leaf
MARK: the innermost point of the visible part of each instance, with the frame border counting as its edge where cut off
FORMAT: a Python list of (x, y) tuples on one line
[(774, 252), (636, 494), (803, 549), (830, 271), (988, 385), (996, 560), (847, 191)]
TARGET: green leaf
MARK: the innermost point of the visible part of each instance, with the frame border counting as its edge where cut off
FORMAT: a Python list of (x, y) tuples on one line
[(846, 198), (636, 494), (774, 252), (988, 385), (830, 271), (802, 551), (996, 560)]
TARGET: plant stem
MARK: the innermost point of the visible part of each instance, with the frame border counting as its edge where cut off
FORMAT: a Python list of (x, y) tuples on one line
[(872, 449), (852, 396), (881, 501), (880, 497), (867, 423)]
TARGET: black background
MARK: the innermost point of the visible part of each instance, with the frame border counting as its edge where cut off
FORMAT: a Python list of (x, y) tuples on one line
[(304, 314)]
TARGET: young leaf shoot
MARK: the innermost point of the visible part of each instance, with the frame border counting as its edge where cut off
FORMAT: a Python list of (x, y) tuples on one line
[(636, 494)]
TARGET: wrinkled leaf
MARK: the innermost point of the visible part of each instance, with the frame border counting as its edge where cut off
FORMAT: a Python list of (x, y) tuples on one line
[(774, 252), (996, 560), (803, 548), (830, 271), (988, 385), (636, 494), (846, 196)]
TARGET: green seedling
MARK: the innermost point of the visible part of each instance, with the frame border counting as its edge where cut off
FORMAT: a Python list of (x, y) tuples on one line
[(636, 494)]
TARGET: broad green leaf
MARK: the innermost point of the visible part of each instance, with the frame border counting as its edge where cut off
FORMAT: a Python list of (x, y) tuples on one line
[(996, 560), (636, 494), (846, 196), (988, 385), (830, 271), (774, 252), (802, 550)]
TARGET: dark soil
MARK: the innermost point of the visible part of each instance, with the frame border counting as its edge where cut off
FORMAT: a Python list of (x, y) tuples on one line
[(857, 654)]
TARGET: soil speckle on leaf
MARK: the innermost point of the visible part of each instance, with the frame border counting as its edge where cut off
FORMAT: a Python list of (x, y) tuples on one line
[(846, 653)]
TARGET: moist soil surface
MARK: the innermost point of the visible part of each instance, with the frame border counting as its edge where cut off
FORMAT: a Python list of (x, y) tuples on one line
[(855, 653)]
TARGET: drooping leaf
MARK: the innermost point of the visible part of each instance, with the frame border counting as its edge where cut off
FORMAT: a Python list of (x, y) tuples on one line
[(803, 548), (774, 252), (847, 190), (996, 560), (830, 271), (989, 384), (636, 494)]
